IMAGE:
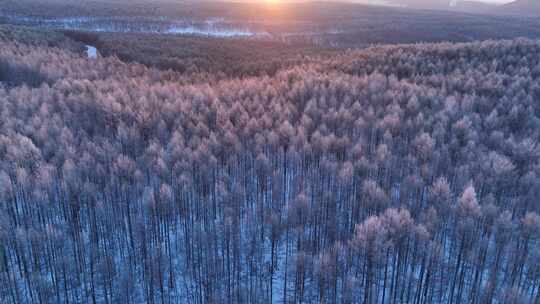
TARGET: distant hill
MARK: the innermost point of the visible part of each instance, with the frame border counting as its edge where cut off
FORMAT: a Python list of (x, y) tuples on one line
[(468, 6), (517, 7), (472, 6), (427, 4), (520, 7)]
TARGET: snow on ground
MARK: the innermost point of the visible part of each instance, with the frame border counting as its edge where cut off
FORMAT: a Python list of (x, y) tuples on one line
[(215, 32), (214, 27), (91, 51)]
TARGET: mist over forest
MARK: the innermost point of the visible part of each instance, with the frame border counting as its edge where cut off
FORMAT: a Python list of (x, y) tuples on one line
[(389, 164)]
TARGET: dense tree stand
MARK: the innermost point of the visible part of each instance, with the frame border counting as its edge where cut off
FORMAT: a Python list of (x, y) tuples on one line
[(395, 174)]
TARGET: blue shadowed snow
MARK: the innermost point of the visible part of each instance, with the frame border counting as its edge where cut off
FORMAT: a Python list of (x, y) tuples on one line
[(91, 51)]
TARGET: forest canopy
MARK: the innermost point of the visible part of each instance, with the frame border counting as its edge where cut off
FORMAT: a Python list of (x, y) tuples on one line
[(393, 174)]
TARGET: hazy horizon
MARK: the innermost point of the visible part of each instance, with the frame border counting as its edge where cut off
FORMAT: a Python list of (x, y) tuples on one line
[(365, 1)]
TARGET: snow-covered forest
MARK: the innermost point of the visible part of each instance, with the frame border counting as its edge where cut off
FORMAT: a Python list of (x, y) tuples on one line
[(394, 174)]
